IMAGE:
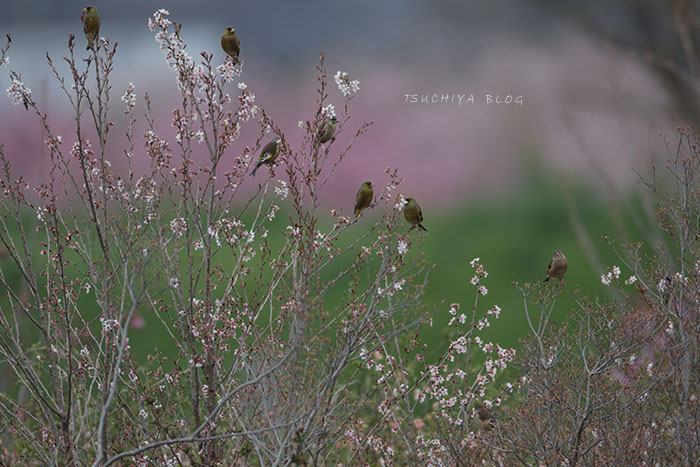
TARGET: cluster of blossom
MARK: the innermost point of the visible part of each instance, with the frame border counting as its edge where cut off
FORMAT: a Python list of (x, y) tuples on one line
[(248, 109), (381, 448), (85, 364), (82, 149), (480, 273), (157, 149), (400, 202), (18, 92), (174, 48), (231, 228), (453, 311), (391, 288), (181, 122), (402, 246), (328, 111), (109, 325), (282, 189), (129, 98), (440, 376), (145, 190), (447, 382), (178, 226), (679, 278), (239, 168), (228, 70), (431, 450), (231, 130), (345, 84), (323, 240), (386, 194), (272, 212), (614, 273)]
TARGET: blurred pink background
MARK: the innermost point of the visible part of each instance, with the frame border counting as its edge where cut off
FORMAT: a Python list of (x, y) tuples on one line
[(589, 111)]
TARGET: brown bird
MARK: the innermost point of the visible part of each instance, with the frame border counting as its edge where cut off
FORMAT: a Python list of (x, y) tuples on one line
[(363, 198), (91, 24), (413, 214), (327, 130), (230, 44), (485, 416), (557, 266)]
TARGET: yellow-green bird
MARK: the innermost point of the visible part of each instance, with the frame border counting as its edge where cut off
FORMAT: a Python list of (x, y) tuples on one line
[(91, 24), (363, 198), (269, 154), (327, 130), (557, 266), (413, 214), (230, 44)]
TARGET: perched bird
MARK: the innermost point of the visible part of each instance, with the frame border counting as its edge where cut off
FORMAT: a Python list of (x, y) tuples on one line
[(413, 214), (91, 24), (269, 154), (363, 198), (327, 129), (557, 266), (230, 44), (485, 416)]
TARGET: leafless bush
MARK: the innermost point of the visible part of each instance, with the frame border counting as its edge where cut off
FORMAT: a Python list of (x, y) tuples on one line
[(263, 359), (618, 382)]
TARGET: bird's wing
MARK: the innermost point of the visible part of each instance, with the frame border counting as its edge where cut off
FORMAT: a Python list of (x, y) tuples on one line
[(420, 213), (268, 151), (549, 266), (358, 198)]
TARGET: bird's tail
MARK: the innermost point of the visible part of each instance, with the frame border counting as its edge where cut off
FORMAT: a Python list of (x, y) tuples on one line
[(420, 226), (357, 212), (546, 279), (255, 169)]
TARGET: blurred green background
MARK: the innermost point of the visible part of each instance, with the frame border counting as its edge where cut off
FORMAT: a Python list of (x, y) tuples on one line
[(514, 236)]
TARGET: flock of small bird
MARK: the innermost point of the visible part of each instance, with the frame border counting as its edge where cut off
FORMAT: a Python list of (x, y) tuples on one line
[(411, 211)]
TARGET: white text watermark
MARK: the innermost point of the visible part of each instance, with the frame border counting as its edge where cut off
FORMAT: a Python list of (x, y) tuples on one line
[(459, 99)]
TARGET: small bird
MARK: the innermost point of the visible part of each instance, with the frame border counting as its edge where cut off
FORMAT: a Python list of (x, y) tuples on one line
[(327, 129), (413, 214), (485, 416), (91, 24), (269, 154), (557, 266), (363, 198), (230, 44)]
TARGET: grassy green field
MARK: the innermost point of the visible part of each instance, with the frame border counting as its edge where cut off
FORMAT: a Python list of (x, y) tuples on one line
[(513, 235), (515, 238)]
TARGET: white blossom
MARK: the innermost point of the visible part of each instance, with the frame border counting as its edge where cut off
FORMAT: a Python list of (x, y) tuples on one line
[(402, 247), (345, 85)]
